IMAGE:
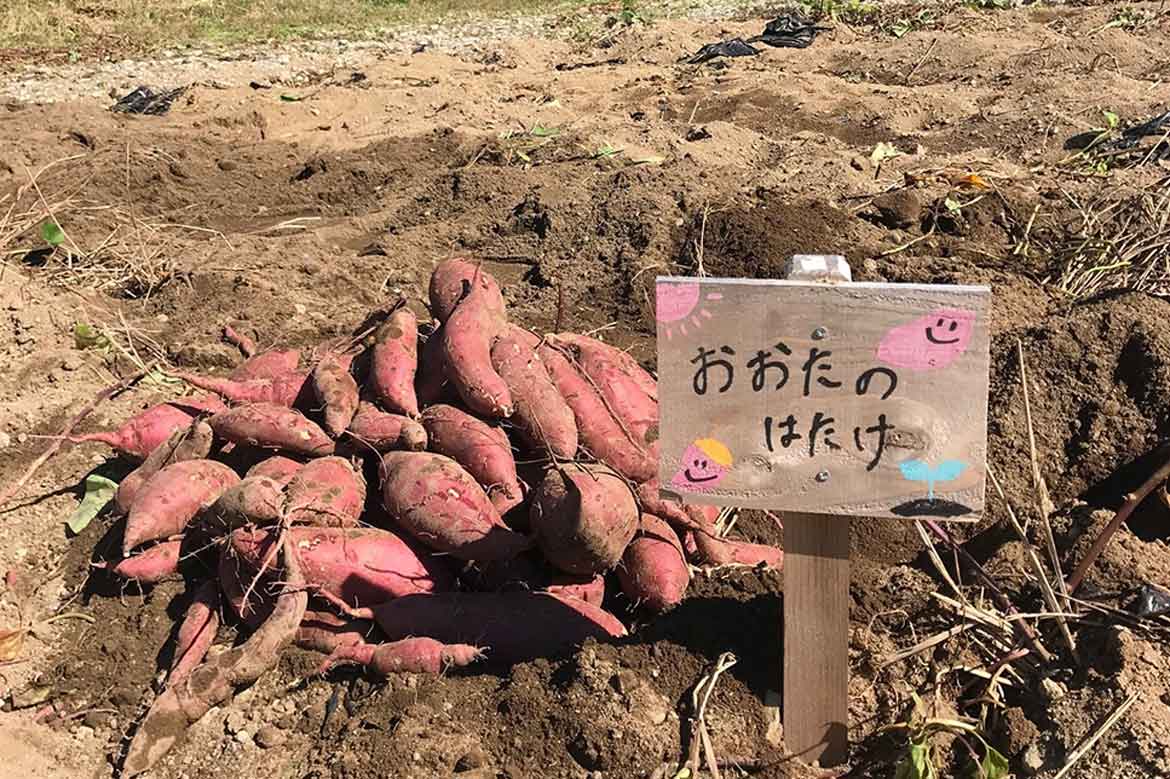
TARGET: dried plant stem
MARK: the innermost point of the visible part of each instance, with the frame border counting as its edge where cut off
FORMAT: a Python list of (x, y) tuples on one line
[(1037, 569), (67, 431), (1132, 501)]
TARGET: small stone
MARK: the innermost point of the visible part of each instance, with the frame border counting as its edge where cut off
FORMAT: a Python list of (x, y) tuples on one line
[(96, 719), (5, 440), (235, 722), (416, 757), (898, 210), (163, 318), (1032, 758), (269, 736), (859, 163), (1051, 690), (244, 737), (72, 363), (300, 308), (84, 732), (227, 166)]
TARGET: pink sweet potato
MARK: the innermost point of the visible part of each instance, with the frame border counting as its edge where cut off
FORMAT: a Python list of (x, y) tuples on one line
[(543, 417), (385, 432), (654, 569), (327, 492), (594, 355), (278, 468), (196, 632), (255, 500), (325, 632), (146, 431), (244, 343), (511, 626), (271, 426), (394, 362), (234, 578), (625, 395), (191, 443), (721, 551), (583, 516), (336, 391), (410, 655), (287, 389), (467, 356), (677, 514), (599, 431), (212, 682), (172, 497), (152, 564), (357, 567), (433, 499), (267, 365), (483, 451), (430, 380), (589, 590), (454, 280)]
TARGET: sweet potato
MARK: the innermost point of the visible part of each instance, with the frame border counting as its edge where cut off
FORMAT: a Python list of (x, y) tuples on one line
[(467, 356), (597, 429), (255, 500), (511, 626), (410, 655), (433, 499), (244, 343), (625, 395), (337, 391), (267, 365), (430, 380), (327, 492), (234, 577), (589, 590), (593, 354), (196, 632), (152, 564), (583, 516), (325, 632), (483, 451), (394, 362), (271, 426), (278, 468), (454, 280), (172, 497), (211, 683), (678, 514), (384, 432), (544, 419), (654, 569), (286, 389), (146, 431), (721, 551), (356, 567), (191, 443)]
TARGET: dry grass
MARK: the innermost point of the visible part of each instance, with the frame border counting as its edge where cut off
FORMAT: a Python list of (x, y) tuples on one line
[(1122, 241), (150, 24), (106, 247)]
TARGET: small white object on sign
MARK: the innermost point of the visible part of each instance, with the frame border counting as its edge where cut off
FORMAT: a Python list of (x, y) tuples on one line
[(817, 267)]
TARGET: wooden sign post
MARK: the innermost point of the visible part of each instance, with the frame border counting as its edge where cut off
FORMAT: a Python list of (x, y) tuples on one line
[(825, 401)]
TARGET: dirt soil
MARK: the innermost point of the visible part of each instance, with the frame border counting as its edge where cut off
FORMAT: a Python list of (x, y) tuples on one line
[(291, 211)]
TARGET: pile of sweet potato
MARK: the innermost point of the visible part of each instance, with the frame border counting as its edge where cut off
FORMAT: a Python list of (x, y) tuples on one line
[(513, 481)]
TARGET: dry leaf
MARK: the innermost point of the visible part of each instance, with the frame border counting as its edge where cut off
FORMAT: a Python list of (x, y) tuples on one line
[(11, 643), (969, 181)]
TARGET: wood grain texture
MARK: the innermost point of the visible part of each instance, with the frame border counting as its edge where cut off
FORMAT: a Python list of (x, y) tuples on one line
[(735, 426), (816, 638)]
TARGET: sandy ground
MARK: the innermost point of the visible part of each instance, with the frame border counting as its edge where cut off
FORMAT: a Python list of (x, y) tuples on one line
[(293, 217)]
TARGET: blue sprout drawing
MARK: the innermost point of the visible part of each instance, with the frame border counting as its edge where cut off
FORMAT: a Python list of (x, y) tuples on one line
[(918, 470)]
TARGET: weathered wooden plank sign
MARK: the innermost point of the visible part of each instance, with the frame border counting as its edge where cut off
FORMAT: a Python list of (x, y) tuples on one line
[(844, 399)]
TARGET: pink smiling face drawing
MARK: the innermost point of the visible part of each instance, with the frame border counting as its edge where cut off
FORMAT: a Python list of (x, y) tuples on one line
[(930, 342), (702, 466), (677, 306)]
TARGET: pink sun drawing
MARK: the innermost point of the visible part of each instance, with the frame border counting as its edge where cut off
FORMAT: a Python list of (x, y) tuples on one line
[(680, 306)]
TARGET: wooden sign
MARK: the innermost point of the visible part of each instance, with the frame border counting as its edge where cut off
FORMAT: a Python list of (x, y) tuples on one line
[(845, 399)]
